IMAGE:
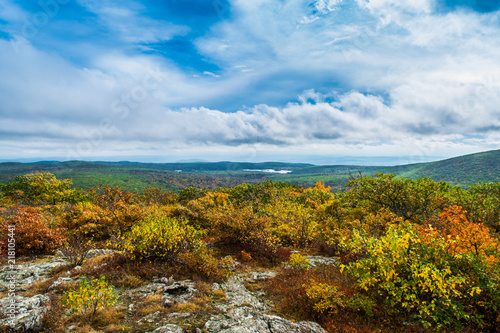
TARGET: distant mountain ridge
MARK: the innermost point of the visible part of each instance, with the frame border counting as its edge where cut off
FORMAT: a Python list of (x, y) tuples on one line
[(135, 176)]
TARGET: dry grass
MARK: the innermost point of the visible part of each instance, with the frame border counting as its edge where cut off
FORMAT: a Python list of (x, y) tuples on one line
[(116, 328), (106, 317), (185, 307), (149, 309), (130, 281), (85, 329), (219, 295)]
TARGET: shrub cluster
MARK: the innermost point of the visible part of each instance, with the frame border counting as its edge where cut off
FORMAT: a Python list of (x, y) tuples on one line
[(32, 234)]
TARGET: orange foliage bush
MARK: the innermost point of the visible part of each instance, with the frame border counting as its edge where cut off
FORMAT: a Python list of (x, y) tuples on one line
[(461, 235), (32, 236), (120, 207)]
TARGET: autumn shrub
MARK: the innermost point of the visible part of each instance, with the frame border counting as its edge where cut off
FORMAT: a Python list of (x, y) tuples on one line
[(191, 193), (430, 278), (153, 196), (31, 234), (295, 214), (253, 233), (201, 261), (121, 207), (413, 200), (260, 194), (335, 231), (232, 226), (329, 298), (203, 209), (92, 295), (298, 261), (159, 237), (75, 250), (461, 234), (86, 220), (482, 201), (244, 256), (292, 223), (476, 252), (41, 188)]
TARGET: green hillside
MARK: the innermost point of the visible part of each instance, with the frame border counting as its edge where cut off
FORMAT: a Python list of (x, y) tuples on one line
[(463, 170)]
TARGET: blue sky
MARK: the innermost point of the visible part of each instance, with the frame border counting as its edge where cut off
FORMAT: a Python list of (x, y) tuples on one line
[(296, 80)]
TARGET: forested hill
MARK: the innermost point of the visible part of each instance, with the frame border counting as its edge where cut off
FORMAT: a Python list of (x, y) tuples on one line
[(473, 168), (463, 170)]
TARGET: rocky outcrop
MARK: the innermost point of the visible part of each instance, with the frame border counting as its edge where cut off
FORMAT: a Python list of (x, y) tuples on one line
[(171, 328), (171, 292), (24, 275), (322, 261), (249, 320), (98, 252), (29, 312), (240, 311), (246, 312), (237, 295)]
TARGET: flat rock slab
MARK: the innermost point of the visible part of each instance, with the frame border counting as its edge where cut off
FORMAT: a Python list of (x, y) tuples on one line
[(249, 320), (322, 261), (170, 328), (26, 274)]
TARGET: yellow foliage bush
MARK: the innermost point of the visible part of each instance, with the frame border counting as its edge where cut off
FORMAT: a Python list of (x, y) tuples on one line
[(90, 297), (86, 220), (159, 237), (298, 261)]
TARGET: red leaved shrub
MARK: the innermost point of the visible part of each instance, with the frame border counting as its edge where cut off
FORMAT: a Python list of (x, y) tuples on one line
[(31, 234)]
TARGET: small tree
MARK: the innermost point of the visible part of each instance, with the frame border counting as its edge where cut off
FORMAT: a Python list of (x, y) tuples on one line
[(91, 297)]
